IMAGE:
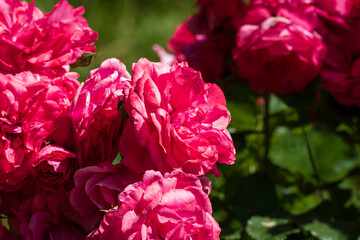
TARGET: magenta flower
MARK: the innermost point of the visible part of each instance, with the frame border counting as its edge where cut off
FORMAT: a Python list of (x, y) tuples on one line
[(31, 109), (45, 44), (176, 121), (97, 187), (53, 166), (278, 49), (172, 206), (95, 113)]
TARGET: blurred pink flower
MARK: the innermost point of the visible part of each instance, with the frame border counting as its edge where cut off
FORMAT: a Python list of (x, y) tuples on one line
[(205, 53), (278, 49)]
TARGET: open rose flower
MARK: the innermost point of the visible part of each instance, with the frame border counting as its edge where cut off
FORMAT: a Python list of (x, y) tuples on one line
[(46, 44), (278, 49), (30, 110), (95, 112), (97, 187), (172, 206), (176, 121)]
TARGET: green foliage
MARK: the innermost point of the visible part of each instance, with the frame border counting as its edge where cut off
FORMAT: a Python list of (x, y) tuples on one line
[(297, 169), (264, 228)]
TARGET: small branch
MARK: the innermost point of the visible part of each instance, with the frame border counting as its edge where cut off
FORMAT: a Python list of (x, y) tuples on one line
[(319, 184)]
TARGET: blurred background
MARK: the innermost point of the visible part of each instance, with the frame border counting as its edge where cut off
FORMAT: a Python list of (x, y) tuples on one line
[(128, 28)]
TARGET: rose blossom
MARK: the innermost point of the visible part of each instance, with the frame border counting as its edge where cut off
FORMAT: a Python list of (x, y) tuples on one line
[(340, 8), (176, 121), (278, 49), (41, 218), (341, 71), (172, 206), (95, 112), (97, 187), (30, 110), (204, 52), (46, 44), (53, 165)]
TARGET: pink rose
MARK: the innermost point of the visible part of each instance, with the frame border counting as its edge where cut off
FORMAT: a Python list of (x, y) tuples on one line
[(46, 44), (30, 110), (15, 156), (205, 39), (97, 187), (341, 71), (340, 8), (205, 53), (172, 206), (41, 218), (53, 165), (278, 49), (95, 112), (43, 115), (176, 121), (68, 83), (215, 16), (220, 8)]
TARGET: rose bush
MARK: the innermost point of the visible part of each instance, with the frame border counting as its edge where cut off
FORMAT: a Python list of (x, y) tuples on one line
[(73, 156)]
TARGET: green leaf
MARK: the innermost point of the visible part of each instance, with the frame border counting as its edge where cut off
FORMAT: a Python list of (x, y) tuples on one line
[(4, 221), (325, 231), (277, 105), (117, 159), (296, 202), (240, 100), (264, 228), (243, 115), (333, 157), (352, 183)]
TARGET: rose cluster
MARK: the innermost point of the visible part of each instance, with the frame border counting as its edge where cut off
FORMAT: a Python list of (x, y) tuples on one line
[(118, 156), (277, 46)]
